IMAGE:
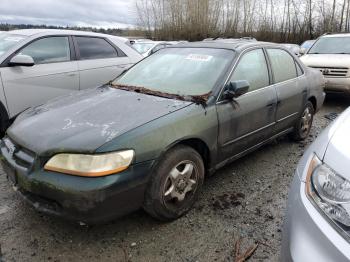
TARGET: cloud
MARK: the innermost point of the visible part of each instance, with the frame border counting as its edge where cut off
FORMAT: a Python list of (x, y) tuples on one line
[(96, 13)]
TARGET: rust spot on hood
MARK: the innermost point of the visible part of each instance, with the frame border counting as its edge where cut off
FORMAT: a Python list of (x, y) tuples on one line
[(197, 99)]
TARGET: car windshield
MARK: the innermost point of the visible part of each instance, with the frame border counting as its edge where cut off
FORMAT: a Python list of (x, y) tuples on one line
[(331, 45), (8, 40), (142, 47), (179, 71)]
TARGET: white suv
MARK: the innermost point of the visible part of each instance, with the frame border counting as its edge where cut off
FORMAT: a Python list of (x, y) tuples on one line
[(37, 65), (331, 55)]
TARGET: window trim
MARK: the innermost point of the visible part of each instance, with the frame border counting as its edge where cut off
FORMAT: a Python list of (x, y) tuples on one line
[(119, 52), (6, 62), (219, 99), (297, 64)]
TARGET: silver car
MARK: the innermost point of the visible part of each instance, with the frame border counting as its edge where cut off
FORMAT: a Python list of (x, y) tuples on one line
[(317, 227), (39, 64), (149, 47)]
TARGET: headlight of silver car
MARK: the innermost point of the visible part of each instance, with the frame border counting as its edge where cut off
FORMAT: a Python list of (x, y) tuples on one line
[(330, 192), (91, 165)]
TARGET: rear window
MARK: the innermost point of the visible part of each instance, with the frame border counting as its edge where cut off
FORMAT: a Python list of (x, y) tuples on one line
[(95, 48)]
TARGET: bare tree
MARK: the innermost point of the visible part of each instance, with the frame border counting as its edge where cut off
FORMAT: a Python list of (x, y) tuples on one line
[(272, 20)]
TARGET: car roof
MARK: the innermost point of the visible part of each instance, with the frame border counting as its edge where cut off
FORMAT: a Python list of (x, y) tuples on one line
[(336, 35), (236, 45), (43, 32)]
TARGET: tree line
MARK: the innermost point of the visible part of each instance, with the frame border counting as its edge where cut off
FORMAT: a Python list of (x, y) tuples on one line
[(268, 20), (111, 31)]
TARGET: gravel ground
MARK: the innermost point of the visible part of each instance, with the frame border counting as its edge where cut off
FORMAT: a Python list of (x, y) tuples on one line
[(244, 200)]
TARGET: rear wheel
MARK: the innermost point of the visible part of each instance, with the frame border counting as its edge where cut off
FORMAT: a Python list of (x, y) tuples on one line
[(175, 184), (303, 126)]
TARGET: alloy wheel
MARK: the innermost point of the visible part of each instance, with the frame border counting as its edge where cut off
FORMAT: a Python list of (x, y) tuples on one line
[(181, 183)]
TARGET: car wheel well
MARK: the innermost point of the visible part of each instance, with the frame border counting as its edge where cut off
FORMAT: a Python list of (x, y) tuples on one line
[(313, 102), (201, 147), (4, 119)]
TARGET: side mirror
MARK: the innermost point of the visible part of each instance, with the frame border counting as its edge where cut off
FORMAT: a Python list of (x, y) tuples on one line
[(302, 51), (235, 89), (22, 60)]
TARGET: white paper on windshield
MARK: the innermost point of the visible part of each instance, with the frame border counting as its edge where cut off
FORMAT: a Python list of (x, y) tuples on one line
[(13, 39), (199, 57)]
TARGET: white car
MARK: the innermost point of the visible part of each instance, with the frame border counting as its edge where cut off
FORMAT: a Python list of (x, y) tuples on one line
[(39, 64), (317, 225), (331, 55), (146, 48)]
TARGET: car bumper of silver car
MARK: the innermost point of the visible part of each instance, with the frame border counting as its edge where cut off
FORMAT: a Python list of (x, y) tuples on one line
[(307, 235), (339, 85)]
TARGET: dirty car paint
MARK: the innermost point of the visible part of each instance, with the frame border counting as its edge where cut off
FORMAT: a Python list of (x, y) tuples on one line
[(86, 120), (198, 99)]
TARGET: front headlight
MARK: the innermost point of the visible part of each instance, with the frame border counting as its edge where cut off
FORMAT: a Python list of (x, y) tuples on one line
[(90, 165), (330, 192)]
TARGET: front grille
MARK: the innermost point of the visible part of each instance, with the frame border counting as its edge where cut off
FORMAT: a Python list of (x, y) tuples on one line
[(22, 156), (333, 71)]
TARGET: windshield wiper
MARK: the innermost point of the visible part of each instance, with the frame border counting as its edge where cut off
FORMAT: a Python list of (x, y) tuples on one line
[(197, 99)]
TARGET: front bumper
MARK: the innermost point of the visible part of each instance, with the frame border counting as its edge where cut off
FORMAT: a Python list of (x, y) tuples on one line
[(338, 85), (83, 199), (307, 235)]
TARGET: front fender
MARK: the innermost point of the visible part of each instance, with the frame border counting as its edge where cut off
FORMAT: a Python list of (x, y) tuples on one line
[(152, 139)]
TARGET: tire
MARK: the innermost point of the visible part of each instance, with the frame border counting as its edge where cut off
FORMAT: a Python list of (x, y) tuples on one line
[(4, 120), (3, 126), (172, 191), (303, 126)]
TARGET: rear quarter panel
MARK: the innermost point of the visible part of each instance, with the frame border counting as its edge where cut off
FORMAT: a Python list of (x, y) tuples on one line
[(316, 84)]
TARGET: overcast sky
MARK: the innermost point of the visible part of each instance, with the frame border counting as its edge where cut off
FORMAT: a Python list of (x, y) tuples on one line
[(96, 13)]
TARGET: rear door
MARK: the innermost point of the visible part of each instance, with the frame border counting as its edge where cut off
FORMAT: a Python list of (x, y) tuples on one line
[(247, 120), (55, 73), (291, 92), (99, 61)]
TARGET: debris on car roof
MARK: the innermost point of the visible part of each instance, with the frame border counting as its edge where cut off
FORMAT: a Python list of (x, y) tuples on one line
[(197, 99)]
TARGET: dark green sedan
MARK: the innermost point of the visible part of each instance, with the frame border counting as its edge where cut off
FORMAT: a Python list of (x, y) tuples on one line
[(149, 138)]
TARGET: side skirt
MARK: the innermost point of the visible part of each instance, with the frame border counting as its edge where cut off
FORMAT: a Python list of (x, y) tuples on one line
[(247, 151)]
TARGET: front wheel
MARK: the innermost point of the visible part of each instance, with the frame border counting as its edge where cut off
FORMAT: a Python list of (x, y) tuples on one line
[(303, 126), (175, 184)]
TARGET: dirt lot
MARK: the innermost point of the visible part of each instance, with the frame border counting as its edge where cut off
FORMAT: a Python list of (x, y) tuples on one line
[(245, 200)]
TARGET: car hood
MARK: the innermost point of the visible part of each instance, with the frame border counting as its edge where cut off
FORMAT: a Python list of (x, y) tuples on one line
[(337, 155), (85, 120), (326, 60)]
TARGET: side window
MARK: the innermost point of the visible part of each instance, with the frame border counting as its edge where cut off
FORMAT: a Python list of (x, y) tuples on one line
[(253, 68), (283, 65), (299, 69), (95, 48), (48, 50)]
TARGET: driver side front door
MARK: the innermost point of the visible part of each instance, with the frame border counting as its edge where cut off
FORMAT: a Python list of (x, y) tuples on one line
[(249, 119)]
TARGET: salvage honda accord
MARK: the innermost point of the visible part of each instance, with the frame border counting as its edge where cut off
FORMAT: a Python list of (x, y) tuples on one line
[(148, 138)]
